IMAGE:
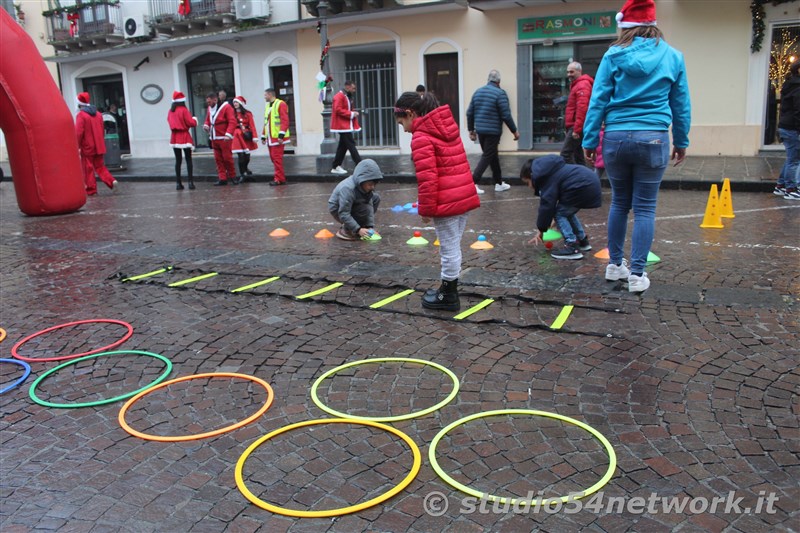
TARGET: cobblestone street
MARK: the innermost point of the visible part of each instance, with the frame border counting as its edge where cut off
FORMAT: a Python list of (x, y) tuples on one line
[(694, 384)]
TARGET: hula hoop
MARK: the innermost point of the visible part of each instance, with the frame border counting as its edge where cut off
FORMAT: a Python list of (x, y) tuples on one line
[(25, 374), (407, 416), (162, 377), (181, 438), (330, 512), (612, 458), (2, 334), (16, 347)]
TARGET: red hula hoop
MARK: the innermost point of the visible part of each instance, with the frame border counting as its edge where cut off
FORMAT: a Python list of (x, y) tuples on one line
[(15, 353)]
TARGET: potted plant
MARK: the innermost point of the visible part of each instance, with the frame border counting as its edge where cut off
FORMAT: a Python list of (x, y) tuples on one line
[(20, 13)]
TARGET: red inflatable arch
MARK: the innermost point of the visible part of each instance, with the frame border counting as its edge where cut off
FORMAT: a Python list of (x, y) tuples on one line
[(38, 127)]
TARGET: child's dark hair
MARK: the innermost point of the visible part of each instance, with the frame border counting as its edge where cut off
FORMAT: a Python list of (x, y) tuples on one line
[(176, 105), (421, 105), (525, 173)]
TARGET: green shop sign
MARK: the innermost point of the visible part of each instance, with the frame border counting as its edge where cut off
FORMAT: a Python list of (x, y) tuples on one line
[(567, 26)]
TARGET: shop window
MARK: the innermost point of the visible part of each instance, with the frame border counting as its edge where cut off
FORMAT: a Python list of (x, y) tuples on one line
[(784, 50)]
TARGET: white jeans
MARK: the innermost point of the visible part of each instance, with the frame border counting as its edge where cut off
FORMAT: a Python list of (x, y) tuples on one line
[(449, 231)]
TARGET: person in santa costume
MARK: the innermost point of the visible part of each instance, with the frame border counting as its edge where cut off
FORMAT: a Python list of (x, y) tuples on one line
[(344, 121), (640, 90), (180, 121), (220, 124), (243, 138), (276, 133), (90, 132)]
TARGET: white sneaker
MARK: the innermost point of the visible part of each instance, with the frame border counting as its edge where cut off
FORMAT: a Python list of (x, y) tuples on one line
[(338, 170), (500, 187), (616, 273), (478, 189), (638, 283), (114, 184)]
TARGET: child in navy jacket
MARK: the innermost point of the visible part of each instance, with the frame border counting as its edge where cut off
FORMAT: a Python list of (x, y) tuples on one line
[(564, 190)]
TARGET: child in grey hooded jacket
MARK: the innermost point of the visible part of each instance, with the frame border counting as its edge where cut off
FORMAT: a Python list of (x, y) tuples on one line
[(354, 202)]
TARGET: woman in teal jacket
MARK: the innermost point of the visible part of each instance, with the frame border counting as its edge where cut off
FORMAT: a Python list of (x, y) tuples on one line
[(640, 89)]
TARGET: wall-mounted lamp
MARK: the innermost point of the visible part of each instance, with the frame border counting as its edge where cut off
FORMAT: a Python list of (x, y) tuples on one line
[(167, 54), (140, 63)]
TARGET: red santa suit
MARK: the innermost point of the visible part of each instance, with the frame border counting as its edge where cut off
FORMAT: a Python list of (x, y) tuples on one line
[(90, 132), (220, 124), (244, 122), (179, 122)]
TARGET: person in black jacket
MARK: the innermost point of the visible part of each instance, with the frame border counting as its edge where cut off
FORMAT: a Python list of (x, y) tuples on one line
[(564, 189), (789, 130)]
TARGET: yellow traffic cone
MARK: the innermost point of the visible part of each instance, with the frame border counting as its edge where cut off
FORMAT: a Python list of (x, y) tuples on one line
[(712, 219), (725, 201)]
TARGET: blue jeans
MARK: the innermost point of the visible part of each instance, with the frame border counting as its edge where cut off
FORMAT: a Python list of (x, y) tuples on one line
[(635, 162), (791, 141), (568, 223)]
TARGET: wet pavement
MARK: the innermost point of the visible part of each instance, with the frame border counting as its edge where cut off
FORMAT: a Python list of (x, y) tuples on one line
[(694, 384)]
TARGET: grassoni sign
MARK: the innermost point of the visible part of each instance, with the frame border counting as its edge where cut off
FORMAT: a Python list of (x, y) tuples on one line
[(567, 26)]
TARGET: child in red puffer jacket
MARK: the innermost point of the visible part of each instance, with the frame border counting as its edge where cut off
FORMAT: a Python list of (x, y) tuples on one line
[(445, 187)]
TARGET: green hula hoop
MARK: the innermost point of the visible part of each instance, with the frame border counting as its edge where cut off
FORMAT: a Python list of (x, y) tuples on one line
[(159, 379), (328, 512), (612, 458), (397, 418)]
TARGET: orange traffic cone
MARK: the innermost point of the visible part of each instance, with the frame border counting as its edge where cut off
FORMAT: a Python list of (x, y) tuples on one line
[(602, 254), (712, 219), (323, 234), (481, 244), (725, 200), (279, 232)]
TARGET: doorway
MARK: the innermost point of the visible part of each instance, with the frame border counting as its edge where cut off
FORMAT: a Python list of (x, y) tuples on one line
[(550, 86), (107, 94), (211, 72), (283, 84), (441, 77)]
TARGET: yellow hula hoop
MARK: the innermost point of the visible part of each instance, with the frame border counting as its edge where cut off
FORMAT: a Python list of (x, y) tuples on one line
[(2, 334), (612, 459), (397, 418), (220, 431), (330, 512)]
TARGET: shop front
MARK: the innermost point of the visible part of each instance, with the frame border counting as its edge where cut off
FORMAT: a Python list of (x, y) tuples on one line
[(545, 46)]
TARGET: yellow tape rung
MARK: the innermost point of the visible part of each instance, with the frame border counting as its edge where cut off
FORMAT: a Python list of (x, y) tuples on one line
[(148, 274), (191, 280), (562, 317), (390, 299), (473, 309), (256, 284), (320, 291)]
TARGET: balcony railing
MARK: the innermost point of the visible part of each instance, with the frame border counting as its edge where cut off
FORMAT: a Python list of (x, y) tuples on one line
[(168, 16), (84, 25)]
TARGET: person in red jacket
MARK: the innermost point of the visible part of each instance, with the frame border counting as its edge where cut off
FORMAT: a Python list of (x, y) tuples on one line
[(446, 192), (180, 120), (243, 138), (220, 124), (276, 133), (577, 104), (344, 121), (90, 131)]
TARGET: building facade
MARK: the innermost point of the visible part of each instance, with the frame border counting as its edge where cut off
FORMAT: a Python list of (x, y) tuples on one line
[(133, 54)]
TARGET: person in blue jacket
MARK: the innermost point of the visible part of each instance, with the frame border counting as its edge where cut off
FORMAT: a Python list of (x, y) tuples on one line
[(487, 112), (639, 90), (564, 189)]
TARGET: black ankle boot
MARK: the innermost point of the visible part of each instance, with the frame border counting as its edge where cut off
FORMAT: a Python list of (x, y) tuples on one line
[(446, 298), (179, 186), (191, 185)]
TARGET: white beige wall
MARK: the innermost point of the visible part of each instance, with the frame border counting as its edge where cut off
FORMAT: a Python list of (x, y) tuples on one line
[(727, 82)]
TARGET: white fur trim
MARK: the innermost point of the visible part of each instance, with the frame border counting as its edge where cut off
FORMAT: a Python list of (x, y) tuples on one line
[(634, 24), (179, 100), (182, 146)]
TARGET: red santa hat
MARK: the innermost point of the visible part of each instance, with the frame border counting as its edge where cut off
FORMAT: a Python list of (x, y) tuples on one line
[(83, 99), (241, 100), (637, 13), (178, 96)]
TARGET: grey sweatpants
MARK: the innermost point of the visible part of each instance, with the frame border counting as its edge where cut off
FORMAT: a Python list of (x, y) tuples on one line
[(449, 231)]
